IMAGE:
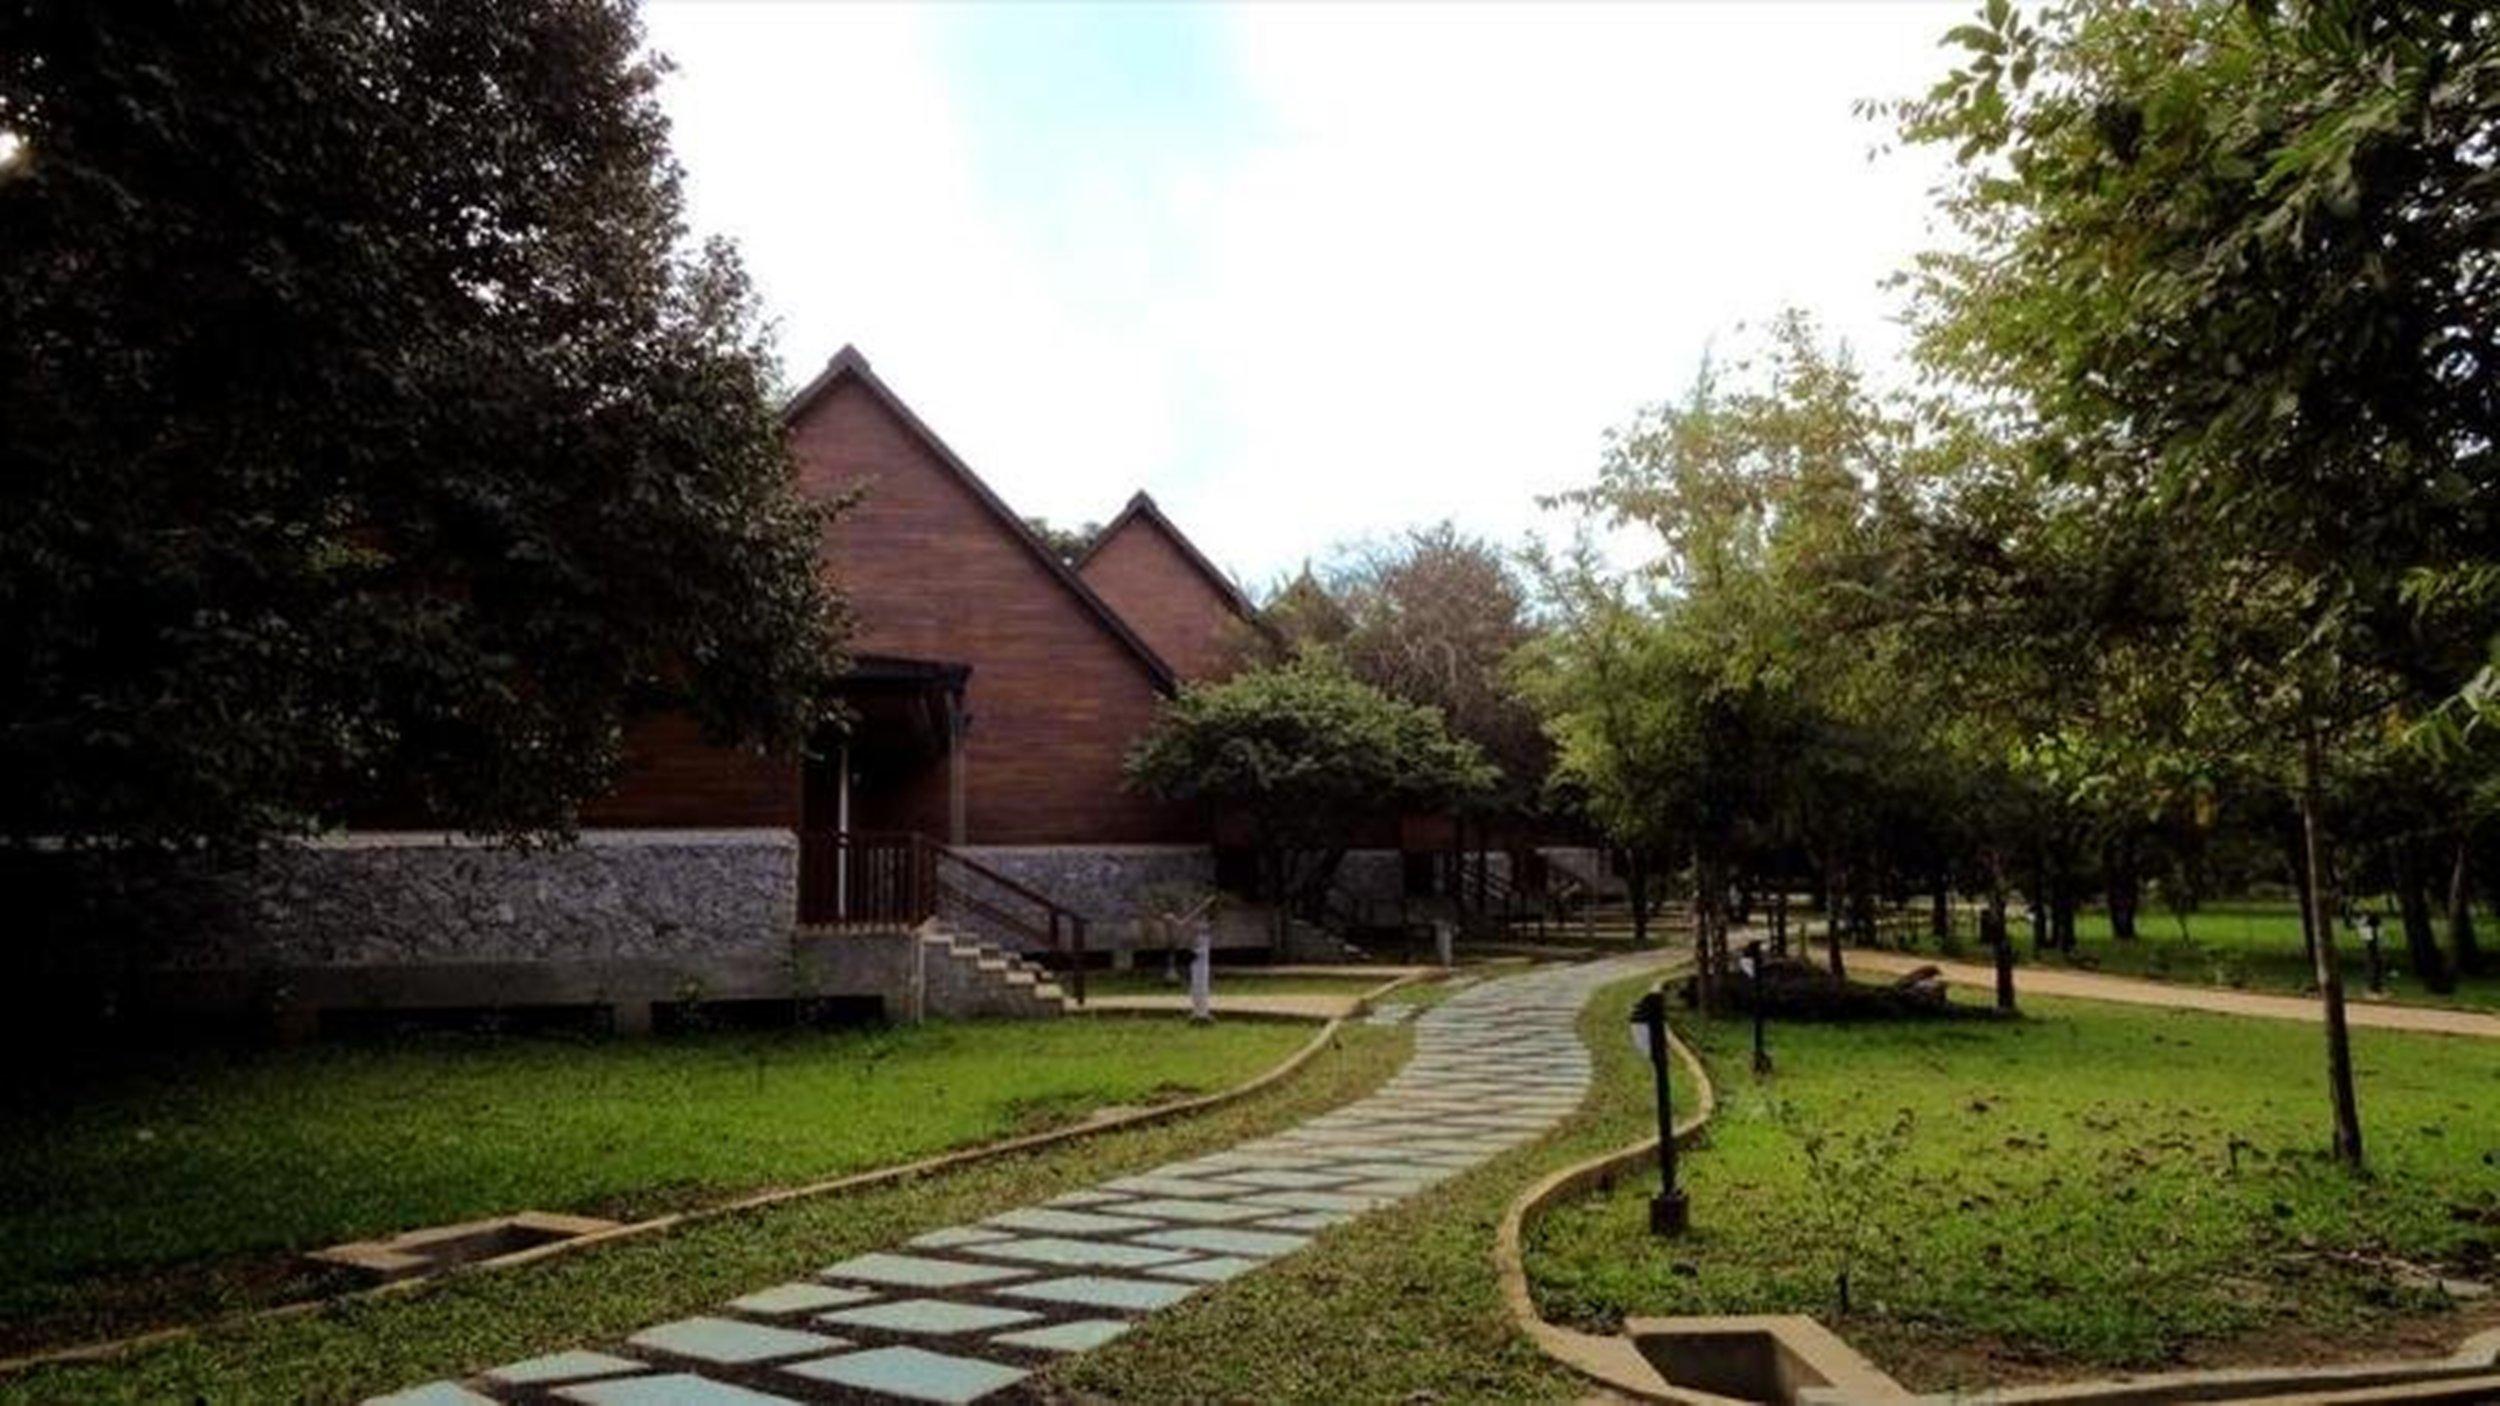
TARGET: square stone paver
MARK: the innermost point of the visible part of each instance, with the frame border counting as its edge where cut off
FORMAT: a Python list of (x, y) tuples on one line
[(1208, 1271), (798, 1298), (1083, 1335), (432, 1394), (1305, 1220), (1080, 1254), (927, 1316), (562, 1367), (728, 1340), (1316, 1201), (917, 1272), (1046, 1220), (1405, 1186), (955, 1236), (913, 1372), (1217, 1240), (675, 1389), (1101, 1291), (1284, 1180), (1199, 1212), (1152, 1184)]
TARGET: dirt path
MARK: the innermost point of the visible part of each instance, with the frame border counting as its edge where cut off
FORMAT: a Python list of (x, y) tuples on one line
[(2088, 986)]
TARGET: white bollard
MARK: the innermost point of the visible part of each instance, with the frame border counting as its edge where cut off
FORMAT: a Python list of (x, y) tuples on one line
[(1444, 940), (1202, 975)]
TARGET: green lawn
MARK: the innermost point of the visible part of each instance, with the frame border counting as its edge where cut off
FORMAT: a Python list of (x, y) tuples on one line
[(1148, 980), (164, 1188), (467, 1323), (2091, 1187), (2256, 944), (1400, 1305)]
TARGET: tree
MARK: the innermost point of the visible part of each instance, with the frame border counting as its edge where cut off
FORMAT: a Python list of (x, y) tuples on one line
[(374, 435), (2228, 266), (1301, 752), (1069, 544), (1434, 617)]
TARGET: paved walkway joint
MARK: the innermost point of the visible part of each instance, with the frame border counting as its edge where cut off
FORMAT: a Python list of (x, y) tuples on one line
[(969, 1311)]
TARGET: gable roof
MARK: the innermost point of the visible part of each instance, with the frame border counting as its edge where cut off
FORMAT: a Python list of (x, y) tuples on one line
[(1141, 508), (849, 365)]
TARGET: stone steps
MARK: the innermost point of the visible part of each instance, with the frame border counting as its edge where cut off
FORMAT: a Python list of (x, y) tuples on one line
[(964, 976)]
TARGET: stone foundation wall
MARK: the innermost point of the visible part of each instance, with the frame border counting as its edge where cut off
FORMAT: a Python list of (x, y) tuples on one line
[(1109, 884), (408, 899)]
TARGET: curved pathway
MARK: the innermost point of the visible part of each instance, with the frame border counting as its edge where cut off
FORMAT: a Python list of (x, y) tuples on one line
[(970, 1311), (2133, 991)]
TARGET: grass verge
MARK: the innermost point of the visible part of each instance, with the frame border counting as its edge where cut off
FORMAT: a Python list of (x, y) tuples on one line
[(466, 1323), (169, 1188), (2092, 1187), (1397, 1305)]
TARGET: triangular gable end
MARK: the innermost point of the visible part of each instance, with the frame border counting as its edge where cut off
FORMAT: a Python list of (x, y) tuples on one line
[(1143, 514), (849, 365)]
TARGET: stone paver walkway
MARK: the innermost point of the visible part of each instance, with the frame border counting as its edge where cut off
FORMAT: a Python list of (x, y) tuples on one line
[(2090, 986), (970, 1311)]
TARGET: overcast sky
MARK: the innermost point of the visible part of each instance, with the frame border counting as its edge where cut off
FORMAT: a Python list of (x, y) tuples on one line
[(1305, 272)]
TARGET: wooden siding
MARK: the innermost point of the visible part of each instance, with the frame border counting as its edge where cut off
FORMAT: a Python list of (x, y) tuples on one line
[(1055, 698), (674, 780), (1150, 580)]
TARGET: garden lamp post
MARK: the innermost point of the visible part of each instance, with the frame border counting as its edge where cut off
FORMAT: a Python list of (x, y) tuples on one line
[(1668, 1214)]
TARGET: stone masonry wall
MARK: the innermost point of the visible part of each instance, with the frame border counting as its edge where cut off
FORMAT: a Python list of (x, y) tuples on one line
[(402, 899), (1109, 884)]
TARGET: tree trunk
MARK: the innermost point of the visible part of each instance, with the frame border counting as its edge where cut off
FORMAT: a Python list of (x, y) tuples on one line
[(1779, 920), (2125, 890), (2299, 845), (1992, 931), (1940, 912), (2330, 969), (2062, 909), (1831, 929), (1705, 909), (2469, 953), (2413, 900), (1639, 882)]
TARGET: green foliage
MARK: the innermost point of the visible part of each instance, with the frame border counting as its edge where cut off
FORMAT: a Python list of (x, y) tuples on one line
[(1069, 544), (375, 436), (2227, 274), (1433, 617), (1303, 749)]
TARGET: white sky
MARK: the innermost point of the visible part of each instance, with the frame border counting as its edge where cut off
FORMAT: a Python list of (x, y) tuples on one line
[(1304, 272)]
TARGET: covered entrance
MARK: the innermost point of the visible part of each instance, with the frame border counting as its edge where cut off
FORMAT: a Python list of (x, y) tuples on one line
[(897, 769)]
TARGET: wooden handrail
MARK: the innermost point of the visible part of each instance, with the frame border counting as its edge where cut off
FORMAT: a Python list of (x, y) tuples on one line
[(861, 879)]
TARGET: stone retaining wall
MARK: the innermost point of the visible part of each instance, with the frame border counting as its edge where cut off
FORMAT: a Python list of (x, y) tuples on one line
[(383, 899)]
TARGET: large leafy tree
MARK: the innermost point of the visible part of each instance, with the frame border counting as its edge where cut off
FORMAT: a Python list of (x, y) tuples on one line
[(1302, 752), (1434, 616), (2227, 268), (374, 437)]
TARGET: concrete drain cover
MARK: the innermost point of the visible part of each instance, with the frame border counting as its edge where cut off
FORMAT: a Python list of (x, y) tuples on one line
[(438, 1248)]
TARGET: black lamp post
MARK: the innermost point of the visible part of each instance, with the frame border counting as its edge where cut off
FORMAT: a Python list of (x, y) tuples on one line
[(1668, 1214)]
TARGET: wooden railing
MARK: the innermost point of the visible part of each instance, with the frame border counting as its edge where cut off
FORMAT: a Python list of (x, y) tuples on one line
[(879, 882)]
